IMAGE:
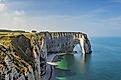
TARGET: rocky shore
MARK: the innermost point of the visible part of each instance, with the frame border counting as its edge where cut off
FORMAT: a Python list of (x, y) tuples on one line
[(23, 55), (49, 69)]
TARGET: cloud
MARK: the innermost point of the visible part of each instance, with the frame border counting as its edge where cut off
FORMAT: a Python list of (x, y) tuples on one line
[(19, 12), (10, 18), (2, 7), (89, 22), (85, 22), (114, 22)]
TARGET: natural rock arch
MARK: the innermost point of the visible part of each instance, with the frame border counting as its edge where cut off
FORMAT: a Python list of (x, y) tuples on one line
[(59, 42)]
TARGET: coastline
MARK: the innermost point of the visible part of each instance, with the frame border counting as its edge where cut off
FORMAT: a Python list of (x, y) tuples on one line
[(54, 58), (49, 70), (52, 67)]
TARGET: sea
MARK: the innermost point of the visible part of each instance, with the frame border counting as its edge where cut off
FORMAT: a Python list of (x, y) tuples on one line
[(104, 63)]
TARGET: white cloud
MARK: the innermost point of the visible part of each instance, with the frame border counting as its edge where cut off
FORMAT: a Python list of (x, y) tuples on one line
[(19, 12), (114, 22), (8, 18), (2, 7), (11, 19), (87, 23)]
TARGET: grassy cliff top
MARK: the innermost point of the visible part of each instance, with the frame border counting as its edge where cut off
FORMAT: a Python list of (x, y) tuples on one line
[(19, 48), (6, 37)]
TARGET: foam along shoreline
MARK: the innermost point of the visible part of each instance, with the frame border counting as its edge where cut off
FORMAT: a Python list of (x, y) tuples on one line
[(49, 69), (51, 62)]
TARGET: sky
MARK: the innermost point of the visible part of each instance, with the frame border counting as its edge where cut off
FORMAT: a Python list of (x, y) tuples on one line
[(94, 17)]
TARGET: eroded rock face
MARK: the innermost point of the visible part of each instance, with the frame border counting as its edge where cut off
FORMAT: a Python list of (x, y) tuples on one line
[(24, 59), (85, 44), (40, 54), (22, 46), (64, 42)]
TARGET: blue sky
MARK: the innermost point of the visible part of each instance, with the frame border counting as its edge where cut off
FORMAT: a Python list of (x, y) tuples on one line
[(94, 17)]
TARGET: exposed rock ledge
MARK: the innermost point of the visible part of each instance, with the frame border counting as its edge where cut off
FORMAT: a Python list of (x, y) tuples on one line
[(20, 57), (23, 55)]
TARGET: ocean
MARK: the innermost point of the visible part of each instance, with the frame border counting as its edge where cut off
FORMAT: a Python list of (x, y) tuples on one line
[(103, 64)]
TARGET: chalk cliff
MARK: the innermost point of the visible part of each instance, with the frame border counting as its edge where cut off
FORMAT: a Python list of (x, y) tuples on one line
[(22, 57), (60, 42)]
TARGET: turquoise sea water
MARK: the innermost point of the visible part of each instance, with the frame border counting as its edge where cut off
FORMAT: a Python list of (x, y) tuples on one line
[(103, 64)]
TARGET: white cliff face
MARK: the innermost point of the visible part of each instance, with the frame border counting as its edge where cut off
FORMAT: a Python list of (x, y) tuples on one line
[(40, 55), (65, 42), (26, 58), (82, 43), (85, 44), (11, 73), (37, 71), (18, 67)]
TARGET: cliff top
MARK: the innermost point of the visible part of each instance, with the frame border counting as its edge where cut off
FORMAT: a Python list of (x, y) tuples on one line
[(18, 47)]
